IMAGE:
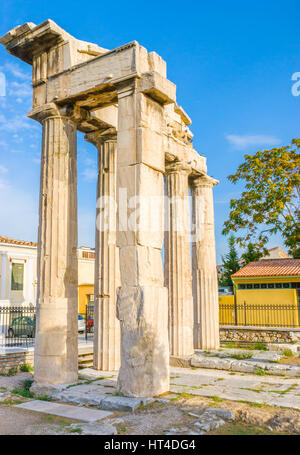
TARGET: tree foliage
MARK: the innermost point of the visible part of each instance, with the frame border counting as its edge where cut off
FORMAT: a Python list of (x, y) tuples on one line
[(251, 254), (270, 202), (230, 263)]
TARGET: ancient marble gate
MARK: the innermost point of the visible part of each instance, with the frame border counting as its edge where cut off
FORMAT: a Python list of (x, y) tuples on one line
[(123, 102)]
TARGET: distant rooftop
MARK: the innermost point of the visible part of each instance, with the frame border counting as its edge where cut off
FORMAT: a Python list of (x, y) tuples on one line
[(270, 267), (4, 239)]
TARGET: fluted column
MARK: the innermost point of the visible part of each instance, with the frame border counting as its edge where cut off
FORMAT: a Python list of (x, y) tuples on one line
[(205, 283), (56, 348), (177, 250), (107, 276)]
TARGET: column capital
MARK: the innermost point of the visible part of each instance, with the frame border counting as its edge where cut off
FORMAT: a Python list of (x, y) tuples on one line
[(46, 111), (204, 181), (126, 88), (178, 167), (100, 136)]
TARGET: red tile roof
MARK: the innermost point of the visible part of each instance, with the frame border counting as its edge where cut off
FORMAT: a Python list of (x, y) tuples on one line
[(4, 239), (270, 267)]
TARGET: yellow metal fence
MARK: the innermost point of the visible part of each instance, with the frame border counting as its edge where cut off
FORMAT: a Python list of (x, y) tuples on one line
[(259, 315)]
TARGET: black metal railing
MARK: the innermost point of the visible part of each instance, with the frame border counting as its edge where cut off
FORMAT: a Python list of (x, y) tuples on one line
[(18, 323), (260, 315), (89, 321), (17, 326)]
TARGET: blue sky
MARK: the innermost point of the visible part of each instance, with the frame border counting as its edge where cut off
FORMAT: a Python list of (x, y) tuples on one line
[(232, 63)]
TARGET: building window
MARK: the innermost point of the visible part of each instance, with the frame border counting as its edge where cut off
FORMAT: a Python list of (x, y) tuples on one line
[(88, 255), (269, 286), (17, 277)]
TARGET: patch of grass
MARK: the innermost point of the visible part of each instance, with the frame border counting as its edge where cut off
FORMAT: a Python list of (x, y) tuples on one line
[(11, 402), (283, 392), (88, 381), (26, 368), (287, 353), (180, 396), (44, 398), (259, 372), (242, 356), (11, 372), (75, 430), (117, 394), (216, 399), (25, 392), (220, 379), (259, 346), (239, 429), (256, 405), (232, 373), (27, 384), (252, 403), (252, 390), (122, 429)]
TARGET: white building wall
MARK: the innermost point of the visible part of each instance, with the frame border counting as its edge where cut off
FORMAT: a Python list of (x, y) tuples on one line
[(10, 253)]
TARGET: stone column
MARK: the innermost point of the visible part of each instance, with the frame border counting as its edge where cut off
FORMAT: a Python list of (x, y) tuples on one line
[(142, 302), (107, 276), (205, 282), (177, 250), (56, 347)]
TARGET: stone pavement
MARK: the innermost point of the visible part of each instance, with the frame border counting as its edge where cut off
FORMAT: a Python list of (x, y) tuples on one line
[(239, 360), (271, 390), (64, 410)]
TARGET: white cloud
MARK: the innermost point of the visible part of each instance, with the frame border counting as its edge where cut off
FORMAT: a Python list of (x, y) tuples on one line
[(90, 174), (241, 142), (15, 124), (19, 89), (16, 71), (3, 169)]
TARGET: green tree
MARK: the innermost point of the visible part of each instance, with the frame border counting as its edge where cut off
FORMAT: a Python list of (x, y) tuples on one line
[(251, 254), (270, 202), (230, 263)]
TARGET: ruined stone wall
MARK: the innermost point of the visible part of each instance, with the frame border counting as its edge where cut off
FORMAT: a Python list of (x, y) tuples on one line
[(259, 334)]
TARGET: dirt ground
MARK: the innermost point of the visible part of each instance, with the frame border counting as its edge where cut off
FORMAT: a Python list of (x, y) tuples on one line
[(21, 422), (250, 418), (295, 360), (14, 382)]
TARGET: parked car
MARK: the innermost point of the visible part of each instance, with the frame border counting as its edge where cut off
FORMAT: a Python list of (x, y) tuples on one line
[(81, 324), (22, 326), (90, 324)]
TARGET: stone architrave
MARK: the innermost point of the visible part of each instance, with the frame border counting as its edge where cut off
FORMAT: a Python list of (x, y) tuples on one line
[(205, 282), (107, 276), (56, 347), (177, 251)]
